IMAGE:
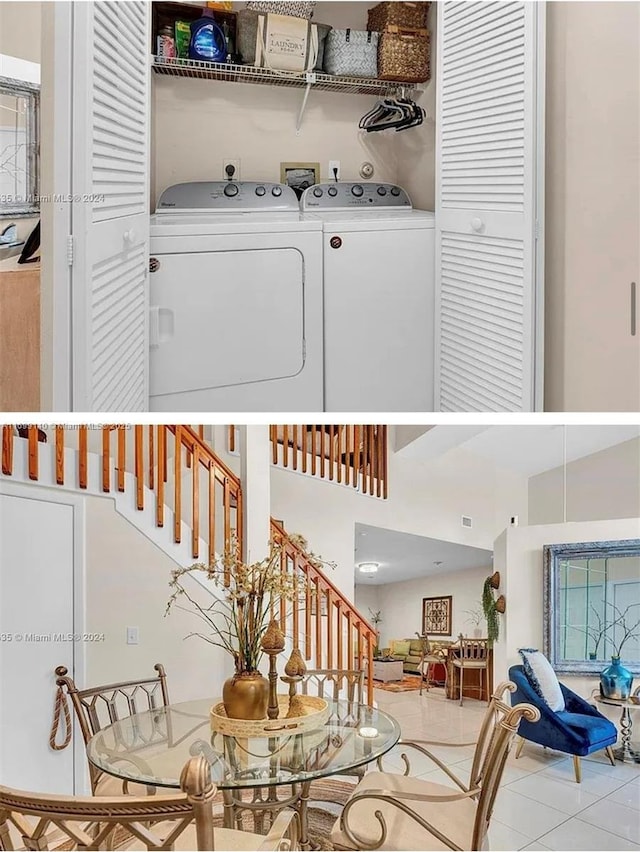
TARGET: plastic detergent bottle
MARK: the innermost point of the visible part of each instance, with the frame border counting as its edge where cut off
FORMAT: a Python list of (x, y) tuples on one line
[(207, 43)]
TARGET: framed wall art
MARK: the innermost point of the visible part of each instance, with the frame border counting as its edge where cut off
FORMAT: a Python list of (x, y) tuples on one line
[(436, 616)]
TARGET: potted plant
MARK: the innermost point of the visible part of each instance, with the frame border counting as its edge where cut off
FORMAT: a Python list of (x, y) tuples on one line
[(237, 619), (375, 618), (475, 616)]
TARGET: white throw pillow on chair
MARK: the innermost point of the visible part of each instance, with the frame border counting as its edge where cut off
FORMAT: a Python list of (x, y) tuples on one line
[(542, 678)]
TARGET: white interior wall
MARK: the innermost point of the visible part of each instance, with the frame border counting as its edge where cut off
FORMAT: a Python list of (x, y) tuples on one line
[(426, 498), (401, 603), (128, 586), (367, 598), (518, 555)]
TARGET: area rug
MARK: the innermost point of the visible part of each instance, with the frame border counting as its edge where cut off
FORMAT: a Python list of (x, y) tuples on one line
[(409, 683)]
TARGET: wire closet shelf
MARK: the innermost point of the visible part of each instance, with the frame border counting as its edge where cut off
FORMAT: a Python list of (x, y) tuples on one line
[(251, 74)]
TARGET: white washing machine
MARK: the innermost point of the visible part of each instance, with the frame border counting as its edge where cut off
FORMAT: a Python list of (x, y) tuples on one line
[(379, 272), (235, 300)]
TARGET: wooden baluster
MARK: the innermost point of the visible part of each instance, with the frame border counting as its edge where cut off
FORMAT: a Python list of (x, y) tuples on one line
[(284, 557), (195, 504), (82, 457), (347, 454), (359, 645), (165, 465), (305, 435), (7, 450), (369, 670), (177, 485), (151, 458), (226, 498), (296, 604), (139, 465), (314, 451), (121, 462), (385, 462), (356, 456), (239, 522), (232, 439), (350, 663), (319, 601), (329, 629), (378, 461), (32, 433), (161, 474), (372, 461), (307, 616), (340, 632), (331, 451), (106, 440), (338, 443), (285, 446), (201, 432), (322, 437), (59, 455), (294, 429), (274, 444), (365, 454), (212, 512)]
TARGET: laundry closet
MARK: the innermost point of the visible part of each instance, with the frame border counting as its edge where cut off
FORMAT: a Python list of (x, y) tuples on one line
[(452, 206)]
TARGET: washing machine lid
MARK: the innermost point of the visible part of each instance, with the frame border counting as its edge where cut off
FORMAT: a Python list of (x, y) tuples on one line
[(375, 220), (240, 222)]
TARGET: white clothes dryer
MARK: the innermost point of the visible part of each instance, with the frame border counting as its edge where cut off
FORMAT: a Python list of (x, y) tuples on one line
[(235, 300), (379, 273)]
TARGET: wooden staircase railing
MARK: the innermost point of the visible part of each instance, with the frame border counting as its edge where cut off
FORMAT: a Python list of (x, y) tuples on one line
[(212, 495), (327, 628)]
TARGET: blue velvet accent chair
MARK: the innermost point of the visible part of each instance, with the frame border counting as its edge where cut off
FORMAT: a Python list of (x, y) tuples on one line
[(578, 730)]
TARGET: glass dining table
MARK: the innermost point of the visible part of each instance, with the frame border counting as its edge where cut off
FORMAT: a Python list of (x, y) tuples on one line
[(151, 748)]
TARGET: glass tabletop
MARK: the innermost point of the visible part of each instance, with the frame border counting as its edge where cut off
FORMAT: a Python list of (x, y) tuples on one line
[(152, 747)]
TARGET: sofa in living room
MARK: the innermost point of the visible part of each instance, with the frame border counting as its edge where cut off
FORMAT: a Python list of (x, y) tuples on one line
[(409, 651)]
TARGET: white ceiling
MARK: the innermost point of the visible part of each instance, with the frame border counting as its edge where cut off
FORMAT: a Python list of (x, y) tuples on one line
[(407, 557), (529, 450)]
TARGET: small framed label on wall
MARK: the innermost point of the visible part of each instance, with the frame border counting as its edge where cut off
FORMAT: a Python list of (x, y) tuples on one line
[(436, 616)]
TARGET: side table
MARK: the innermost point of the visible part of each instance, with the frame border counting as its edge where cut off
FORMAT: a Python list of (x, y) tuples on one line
[(625, 751)]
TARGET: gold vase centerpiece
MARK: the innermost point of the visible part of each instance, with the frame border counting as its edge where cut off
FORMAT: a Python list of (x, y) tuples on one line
[(238, 620)]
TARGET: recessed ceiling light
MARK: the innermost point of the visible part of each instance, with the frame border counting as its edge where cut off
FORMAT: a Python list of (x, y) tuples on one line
[(368, 567)]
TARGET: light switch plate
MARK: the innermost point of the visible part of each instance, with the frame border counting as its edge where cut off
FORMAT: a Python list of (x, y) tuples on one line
[(133, 636)]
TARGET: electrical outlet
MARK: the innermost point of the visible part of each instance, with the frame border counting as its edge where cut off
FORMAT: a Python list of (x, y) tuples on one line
[(334, 164), (133, 636), (236, 168)]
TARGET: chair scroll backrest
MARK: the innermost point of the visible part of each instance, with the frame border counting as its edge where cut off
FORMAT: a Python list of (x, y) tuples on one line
[(496, 736), (99, 706), (103, 822), (335, 684), (473, 649)]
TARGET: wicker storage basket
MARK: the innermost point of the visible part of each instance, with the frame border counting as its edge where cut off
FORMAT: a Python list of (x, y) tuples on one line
[(404, 57), (351, 53), (410, 15)]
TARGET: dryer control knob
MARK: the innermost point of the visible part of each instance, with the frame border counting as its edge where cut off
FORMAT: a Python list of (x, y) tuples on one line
[(382, 190), (260, 190), (317, 192), (231, 189), (332, 191), (277, 191), (395, 190), (357, 190)]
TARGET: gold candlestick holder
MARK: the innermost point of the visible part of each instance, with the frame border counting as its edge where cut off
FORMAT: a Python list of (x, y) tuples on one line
[(273, 644)]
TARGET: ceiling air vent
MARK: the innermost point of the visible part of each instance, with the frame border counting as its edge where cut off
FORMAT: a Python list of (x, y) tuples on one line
[(467, 521)]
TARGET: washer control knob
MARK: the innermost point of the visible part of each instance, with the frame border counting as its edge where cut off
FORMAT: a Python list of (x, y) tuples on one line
[(231, 189), (317, 192), (357, 190), (276, 191), (395, 190), (260, 190), (382, 190), (332, 191)]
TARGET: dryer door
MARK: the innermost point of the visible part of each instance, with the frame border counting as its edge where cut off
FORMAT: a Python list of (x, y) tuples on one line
[(224, 318)]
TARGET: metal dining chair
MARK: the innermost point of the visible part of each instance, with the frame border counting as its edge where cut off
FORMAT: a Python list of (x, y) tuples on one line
[(98, 706)]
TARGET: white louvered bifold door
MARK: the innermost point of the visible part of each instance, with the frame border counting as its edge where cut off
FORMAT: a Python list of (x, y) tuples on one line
[(486, 201), (110, 164)]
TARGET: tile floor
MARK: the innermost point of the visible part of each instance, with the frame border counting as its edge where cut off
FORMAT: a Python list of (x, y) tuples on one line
[(539, 806)]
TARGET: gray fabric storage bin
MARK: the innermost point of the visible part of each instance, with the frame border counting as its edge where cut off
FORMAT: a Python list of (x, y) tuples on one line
[(351, 53), (247, 34)]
